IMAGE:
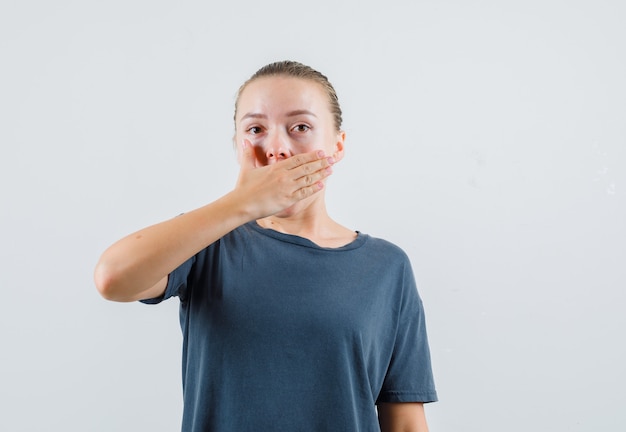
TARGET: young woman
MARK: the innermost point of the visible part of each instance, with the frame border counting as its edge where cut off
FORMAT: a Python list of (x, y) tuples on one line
[(290, 320)]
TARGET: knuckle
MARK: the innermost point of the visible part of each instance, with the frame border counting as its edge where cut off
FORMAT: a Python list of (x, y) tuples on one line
[(304, 192)]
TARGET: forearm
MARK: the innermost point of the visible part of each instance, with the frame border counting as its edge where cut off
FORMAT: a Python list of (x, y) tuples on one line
[(137, 262), (136, 266)]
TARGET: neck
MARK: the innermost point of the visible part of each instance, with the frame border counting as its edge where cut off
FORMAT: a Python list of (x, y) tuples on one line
[(311, 222)]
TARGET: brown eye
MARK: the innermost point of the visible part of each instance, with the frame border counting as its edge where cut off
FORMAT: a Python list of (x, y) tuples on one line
[(254, 130), (301, 128)]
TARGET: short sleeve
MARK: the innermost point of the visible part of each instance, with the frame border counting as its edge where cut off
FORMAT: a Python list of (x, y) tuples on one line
[(409, 377), (177, 283)]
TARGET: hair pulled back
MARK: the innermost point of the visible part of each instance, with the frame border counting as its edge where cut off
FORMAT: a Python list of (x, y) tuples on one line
[(294, 69)]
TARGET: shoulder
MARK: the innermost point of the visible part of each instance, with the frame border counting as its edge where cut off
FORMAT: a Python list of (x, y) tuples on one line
[(382, 248), (380, 243)]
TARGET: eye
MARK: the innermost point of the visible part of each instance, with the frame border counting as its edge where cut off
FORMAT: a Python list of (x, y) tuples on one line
[(254, 130), (301, 128)]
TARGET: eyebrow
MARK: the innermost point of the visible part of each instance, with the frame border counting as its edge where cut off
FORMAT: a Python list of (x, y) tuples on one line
[(289, 114), (300, 112)]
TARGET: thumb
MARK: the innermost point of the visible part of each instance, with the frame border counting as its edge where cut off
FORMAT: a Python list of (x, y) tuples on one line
[(247, 158)]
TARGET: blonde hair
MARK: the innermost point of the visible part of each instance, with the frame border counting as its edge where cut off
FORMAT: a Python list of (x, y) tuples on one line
[(294, 69)]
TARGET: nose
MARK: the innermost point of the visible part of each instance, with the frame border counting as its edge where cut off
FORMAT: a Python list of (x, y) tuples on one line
[(275, 153), (276, 148)]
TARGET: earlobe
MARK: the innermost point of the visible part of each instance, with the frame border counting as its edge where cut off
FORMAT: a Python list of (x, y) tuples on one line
[(339, 150)]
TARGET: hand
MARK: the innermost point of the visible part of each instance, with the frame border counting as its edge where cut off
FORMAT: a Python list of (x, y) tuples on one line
[(272, 188)]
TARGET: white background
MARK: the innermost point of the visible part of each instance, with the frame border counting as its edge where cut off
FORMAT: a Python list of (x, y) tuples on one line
[(486, 138)]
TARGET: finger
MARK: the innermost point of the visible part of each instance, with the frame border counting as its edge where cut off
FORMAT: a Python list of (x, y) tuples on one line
[(315, 170), (307, 191), (311, 177), (304, 158)]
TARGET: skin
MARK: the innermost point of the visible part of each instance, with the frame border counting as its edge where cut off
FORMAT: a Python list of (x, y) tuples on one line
[(402, 417), (287, 145), (281, 118)]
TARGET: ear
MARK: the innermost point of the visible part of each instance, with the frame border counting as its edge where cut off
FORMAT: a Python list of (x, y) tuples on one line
[(338, 154)]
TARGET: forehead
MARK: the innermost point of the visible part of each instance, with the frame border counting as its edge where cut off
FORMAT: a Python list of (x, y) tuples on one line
[(280, 93)]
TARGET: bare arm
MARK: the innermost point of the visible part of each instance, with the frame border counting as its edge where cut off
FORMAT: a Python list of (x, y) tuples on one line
[(136, 267), (402, 417)]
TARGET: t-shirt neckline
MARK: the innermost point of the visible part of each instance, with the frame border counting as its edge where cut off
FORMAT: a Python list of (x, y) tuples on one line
[(301, 241)]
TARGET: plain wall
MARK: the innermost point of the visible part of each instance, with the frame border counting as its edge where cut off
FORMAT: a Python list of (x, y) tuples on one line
[(487, 139)]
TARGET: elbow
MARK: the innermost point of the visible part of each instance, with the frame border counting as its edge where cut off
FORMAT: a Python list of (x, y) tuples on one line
[(107, 282)]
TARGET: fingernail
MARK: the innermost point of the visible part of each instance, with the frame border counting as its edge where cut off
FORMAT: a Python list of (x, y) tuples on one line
[(330, 160), (320, 153)]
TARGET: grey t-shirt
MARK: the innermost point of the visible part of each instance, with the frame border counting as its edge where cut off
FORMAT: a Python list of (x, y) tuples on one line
[(283, 335)]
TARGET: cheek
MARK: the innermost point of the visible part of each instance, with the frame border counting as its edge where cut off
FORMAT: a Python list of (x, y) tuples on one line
[(303, 146), (291, 145), (330, 141), (314, 141), (255, 141)]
